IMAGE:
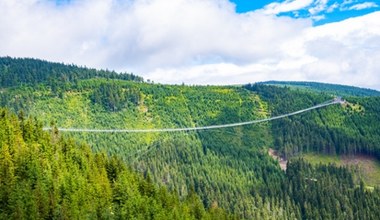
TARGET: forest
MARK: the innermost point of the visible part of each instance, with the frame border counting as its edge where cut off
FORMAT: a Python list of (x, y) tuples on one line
[(227, 172), (340, 90), (353, 129), (46, 176)]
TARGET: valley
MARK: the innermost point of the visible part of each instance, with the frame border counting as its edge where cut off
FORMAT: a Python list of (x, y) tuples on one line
[(226, 168)]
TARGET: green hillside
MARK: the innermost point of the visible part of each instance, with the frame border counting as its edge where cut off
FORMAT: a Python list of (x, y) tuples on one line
[(44, 176), (228, 168), (222, 165), (340, 90), (351, 128)]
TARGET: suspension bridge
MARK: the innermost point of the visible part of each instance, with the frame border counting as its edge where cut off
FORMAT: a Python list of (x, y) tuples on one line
[(337, 100)]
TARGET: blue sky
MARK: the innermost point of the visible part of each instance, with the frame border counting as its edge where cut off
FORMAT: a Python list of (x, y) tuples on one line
[(320, 11), (250, 5), (202, 41)]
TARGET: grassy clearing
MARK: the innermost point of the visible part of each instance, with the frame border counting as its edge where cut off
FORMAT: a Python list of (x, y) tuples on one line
[(364, 167)]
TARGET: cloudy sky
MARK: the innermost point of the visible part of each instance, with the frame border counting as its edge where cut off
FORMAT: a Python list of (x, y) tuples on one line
[(202, 41)]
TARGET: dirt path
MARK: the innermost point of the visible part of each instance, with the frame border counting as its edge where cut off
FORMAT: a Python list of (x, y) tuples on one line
[(274, 155)]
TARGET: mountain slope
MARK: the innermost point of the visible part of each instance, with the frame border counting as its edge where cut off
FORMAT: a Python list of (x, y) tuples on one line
[(352, 128), (340, 90), (47, 177), (229, 168)]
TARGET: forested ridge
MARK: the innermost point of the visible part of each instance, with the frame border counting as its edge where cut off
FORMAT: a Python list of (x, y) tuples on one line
[(228, 168), (29, 71), (340, 90)]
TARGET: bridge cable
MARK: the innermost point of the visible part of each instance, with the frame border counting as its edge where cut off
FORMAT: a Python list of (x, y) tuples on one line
[(86, 130)]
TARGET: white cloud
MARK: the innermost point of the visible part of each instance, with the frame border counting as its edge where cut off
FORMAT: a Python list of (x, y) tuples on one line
[(318, 17), (319, 6), (332, 7), (364, 5), (196, 42), (143, 34), (286, 6), (348, 2), (346, 53)]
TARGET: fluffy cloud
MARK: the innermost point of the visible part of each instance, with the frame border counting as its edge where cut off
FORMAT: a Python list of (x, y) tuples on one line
[(286, 6), (319, 6), (192, 41), (344, 52), (363, 5)]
